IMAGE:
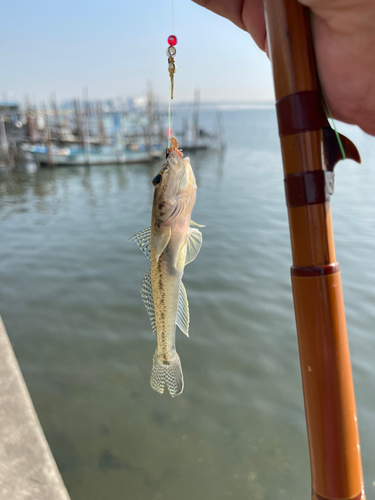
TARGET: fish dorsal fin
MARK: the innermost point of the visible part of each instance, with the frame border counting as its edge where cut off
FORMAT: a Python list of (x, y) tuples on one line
[(192, 223), (193, 245), (183, 317), (143, 241), (148, 299), (161, 240)]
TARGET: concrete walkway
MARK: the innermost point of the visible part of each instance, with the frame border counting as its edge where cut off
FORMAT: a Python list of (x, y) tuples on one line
[(27, 467)]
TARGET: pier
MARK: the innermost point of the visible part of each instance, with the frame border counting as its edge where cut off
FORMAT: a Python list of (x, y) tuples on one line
[(27, 467)]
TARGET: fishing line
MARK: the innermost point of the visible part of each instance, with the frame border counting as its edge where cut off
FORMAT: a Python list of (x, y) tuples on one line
[(171, 52), (334, 125), (325, 98), (169, 115)]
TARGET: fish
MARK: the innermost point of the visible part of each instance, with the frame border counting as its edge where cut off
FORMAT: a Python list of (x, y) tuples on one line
[(170, 243)]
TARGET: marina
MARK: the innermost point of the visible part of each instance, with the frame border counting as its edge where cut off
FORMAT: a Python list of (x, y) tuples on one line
[(96, 133)]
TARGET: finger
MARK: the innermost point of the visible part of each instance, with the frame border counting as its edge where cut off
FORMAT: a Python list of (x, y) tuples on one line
[(253, 18)]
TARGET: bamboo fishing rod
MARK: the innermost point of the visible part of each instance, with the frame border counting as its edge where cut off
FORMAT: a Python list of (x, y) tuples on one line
[(310, 150)]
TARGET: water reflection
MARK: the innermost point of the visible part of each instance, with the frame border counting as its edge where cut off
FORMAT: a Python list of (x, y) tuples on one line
[(70, 299)]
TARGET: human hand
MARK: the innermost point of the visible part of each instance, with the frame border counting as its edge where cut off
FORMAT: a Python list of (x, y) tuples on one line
[(344, 36)]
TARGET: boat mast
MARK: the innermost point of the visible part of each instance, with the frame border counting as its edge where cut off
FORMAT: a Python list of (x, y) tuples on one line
[(78, 122), (86, 131), (3, 137), (310, 150), (196, 117), (101, 128), (55, 110), (50, 150)]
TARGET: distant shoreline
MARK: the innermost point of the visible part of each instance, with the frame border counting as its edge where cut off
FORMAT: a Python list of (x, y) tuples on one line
[(227, 105)]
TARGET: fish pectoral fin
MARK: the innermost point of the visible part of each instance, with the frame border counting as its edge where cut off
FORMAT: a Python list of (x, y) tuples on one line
[(192, 223), (167, 372), (161, 240), (183, 316), (148, 299), (193, 245), (143, 241)]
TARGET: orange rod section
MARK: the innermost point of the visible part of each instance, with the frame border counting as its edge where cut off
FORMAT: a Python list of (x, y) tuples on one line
[(319, 307), (328, 389)]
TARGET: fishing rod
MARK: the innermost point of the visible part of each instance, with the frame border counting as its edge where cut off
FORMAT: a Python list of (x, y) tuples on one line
[(310, 150)]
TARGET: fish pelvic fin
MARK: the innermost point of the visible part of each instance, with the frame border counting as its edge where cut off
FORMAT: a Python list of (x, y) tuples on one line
[(192, 223), (193, 245), (161, 240), (167, 373)]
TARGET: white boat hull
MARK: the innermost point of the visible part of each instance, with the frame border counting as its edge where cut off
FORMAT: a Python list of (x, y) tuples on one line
[(90, 159)]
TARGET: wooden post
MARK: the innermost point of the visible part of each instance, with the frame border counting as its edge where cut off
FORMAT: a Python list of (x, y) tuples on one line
[(310, 151)]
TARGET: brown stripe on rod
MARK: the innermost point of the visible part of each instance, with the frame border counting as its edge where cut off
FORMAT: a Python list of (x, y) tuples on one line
[(307, 272), (300, 112), (316, 496), (308, 188)]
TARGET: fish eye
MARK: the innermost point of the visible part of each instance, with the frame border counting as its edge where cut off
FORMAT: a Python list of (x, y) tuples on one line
[(156, 180)]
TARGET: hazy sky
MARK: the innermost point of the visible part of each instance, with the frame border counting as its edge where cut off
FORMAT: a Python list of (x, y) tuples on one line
[(113, 47)]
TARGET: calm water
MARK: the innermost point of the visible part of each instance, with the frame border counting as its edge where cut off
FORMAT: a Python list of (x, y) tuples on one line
[(69, 297)]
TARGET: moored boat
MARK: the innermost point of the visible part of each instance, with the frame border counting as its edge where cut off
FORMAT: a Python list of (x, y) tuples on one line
[(55, 156)]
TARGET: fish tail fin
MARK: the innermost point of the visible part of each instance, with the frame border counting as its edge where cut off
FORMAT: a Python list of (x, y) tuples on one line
[(167, 372)]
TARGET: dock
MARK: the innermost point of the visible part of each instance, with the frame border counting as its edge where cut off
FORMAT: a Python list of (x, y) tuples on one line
[(27, 467)]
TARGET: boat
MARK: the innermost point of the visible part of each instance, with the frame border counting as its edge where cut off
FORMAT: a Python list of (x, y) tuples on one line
[(195, 138), (55, 156)]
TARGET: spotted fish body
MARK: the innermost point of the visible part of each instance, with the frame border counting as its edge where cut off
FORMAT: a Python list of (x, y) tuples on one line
[(170, 243)]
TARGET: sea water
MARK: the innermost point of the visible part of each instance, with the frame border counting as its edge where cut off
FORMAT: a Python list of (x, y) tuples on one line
[(69, 297)]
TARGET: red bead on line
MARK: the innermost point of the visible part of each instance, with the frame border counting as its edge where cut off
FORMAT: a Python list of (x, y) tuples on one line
[(172, 40)]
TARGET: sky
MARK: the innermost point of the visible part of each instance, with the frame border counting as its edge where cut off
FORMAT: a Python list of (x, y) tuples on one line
[(114, 47)]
